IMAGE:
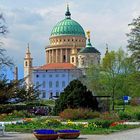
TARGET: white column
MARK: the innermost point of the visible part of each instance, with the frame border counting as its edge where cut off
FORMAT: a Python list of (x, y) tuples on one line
[(49, 56), (66, 54), (52, 56), (56, 54), (61, 56)]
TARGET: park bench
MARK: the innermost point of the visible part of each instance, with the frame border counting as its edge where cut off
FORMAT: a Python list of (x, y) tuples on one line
[(2, 129)]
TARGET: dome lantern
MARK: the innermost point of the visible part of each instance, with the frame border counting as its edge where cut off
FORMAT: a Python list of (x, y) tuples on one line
[(68, 14), (88, 37)]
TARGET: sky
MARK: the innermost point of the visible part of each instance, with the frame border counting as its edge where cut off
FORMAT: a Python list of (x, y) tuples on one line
[(31, 21)]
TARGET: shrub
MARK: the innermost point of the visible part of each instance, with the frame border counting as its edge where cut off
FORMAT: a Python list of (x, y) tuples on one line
[(53, 122), (103, 123), (119, 102), (8, 108), (135, 102), (137, 115), (124, 115), (80, 113), (109, 116)]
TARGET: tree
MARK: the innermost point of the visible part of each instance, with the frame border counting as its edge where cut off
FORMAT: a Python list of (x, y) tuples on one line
[(4, 59), (75, 95), (116, 66), (133, 84), (6, 90), (16, 92), (134, 40), (92, 79), (24, 95)]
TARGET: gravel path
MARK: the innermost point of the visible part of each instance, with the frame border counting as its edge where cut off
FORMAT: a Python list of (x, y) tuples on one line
[(125, 135)]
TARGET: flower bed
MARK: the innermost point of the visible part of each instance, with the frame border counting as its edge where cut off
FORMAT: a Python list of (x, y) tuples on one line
[(44, 134), (68, 134)]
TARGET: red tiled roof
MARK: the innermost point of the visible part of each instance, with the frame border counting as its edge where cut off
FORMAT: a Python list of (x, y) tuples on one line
[(56, 66)]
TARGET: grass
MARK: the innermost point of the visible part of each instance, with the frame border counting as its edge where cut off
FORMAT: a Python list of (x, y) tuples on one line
[(92, 128), (40, 123), (29, 129)]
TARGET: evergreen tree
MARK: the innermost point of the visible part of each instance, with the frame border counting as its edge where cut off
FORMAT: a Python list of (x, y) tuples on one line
[(75, 95)]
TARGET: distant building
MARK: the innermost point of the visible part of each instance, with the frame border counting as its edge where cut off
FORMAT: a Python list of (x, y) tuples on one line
[(66, 56)]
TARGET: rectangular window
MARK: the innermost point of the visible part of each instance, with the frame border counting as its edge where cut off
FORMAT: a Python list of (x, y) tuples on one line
[(37, 84), (43, 94), (57, 93), (57, 84), (44, 84), (63, 84), (50, 84), (50, 75), (51, 95)]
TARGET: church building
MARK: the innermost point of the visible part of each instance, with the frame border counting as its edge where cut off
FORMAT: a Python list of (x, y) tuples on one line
[(66, 56)]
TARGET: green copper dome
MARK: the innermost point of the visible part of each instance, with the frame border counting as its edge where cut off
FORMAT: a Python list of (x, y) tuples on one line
[(68, 27), (89, 48)]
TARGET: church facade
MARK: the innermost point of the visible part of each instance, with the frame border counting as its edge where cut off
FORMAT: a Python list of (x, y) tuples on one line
[(66, 56)]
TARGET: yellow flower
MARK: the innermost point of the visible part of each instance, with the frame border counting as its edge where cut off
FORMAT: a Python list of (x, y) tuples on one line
[(69, 122), (86, 125)]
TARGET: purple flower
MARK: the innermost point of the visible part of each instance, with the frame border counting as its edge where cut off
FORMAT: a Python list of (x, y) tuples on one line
[(68, 131), (44, 131)]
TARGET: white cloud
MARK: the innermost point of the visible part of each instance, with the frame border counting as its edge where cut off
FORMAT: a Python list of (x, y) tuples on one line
[(33, 24)]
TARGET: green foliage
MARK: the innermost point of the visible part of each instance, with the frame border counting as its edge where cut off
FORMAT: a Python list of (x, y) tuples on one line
[(135, 101), (92, 79), (53, 122), (74, 114), (134, 40), (109, 116), (22, 94), (75, 95), (15, 91), (103, 123), (116, 67), (137, 114), (125, 115), (15, 115), (133, 81)]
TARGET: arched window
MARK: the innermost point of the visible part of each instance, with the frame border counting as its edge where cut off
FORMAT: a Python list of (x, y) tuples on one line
[(72, 59), (30, 63), (64, 58), (26, 63)]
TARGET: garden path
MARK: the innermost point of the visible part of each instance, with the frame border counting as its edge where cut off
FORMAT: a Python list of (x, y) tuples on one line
[(133, 134)]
